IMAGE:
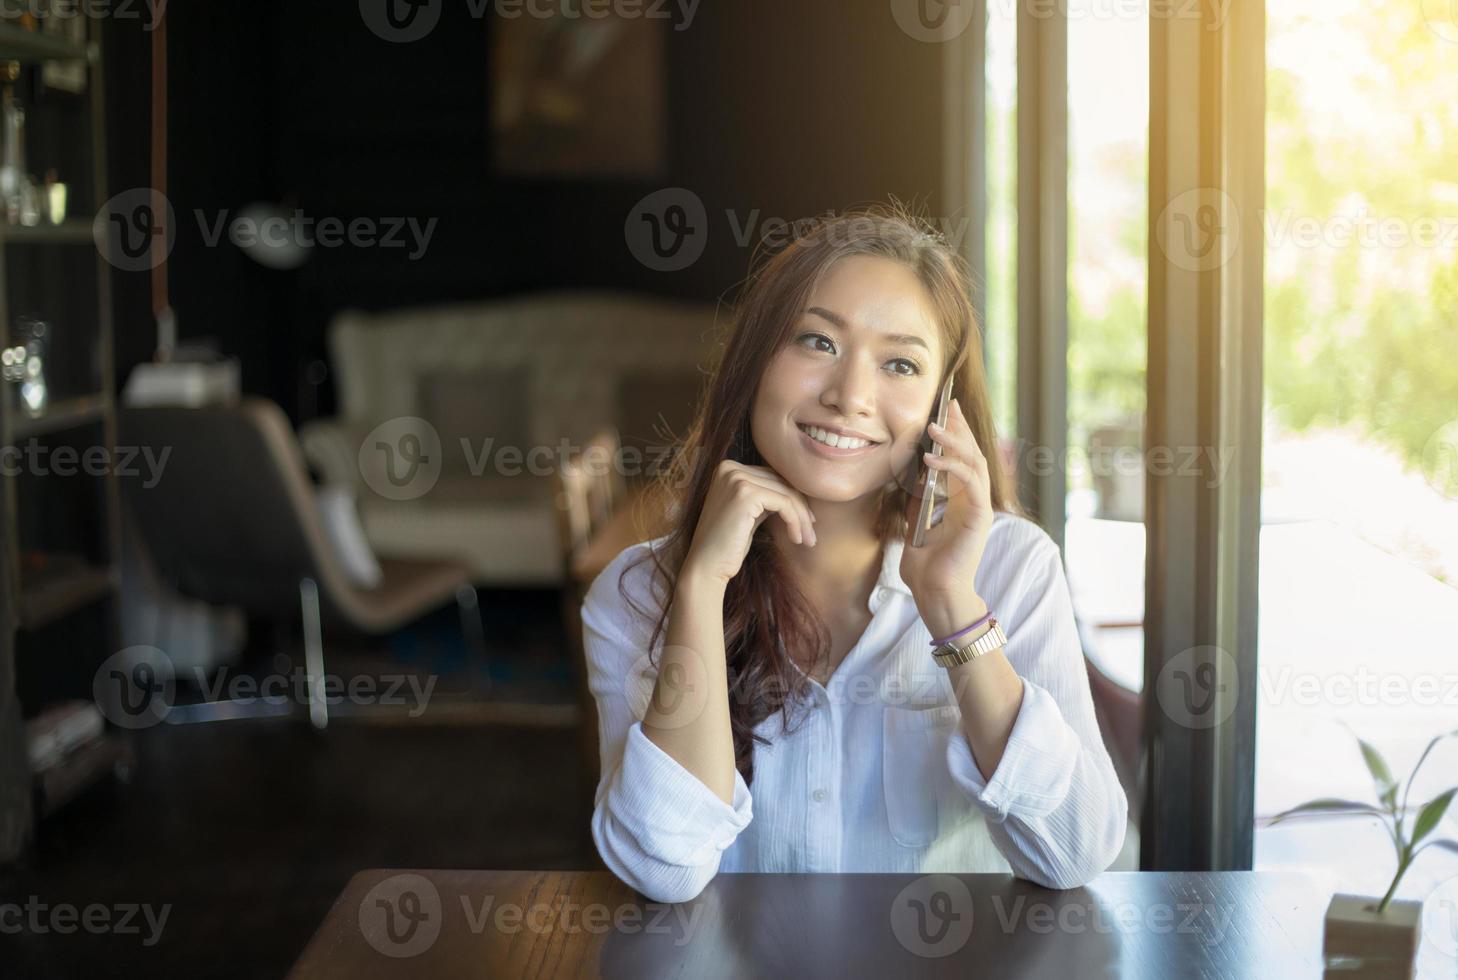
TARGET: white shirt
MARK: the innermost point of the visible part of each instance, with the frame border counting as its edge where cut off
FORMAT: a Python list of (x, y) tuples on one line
[(878, 777)]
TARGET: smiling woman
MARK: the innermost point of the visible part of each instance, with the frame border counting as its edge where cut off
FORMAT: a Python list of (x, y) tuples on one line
[(786, 583)]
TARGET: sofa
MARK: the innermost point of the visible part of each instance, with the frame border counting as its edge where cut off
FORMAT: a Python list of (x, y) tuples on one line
[(451, 418)]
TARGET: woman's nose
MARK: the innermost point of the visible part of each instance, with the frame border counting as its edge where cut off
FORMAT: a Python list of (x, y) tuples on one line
[(852, 390)]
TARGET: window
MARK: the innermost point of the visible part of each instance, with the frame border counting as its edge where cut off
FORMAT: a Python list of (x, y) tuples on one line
[(1360, 474)]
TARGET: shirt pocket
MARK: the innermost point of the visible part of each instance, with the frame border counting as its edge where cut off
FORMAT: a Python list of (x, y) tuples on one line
[(914, 770)]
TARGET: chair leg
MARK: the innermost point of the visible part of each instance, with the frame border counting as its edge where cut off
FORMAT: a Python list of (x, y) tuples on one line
[(475, 633), (313, 652)]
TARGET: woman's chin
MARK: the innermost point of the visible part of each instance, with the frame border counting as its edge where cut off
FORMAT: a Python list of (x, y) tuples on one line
[(831, 491)]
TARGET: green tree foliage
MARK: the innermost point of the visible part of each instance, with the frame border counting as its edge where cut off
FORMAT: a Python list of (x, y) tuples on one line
[(1361, 127), (1363, 332)]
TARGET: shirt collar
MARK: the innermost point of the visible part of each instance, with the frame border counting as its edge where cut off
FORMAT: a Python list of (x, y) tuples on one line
[(890, 578)]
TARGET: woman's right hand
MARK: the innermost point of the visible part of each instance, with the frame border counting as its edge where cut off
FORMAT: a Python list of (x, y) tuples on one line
[(740, 498)]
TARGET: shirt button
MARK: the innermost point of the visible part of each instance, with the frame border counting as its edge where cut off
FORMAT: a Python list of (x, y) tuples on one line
[(819, 796)]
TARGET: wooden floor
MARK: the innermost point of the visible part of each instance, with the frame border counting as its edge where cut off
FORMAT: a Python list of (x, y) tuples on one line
[(245, 831), (249, 829)]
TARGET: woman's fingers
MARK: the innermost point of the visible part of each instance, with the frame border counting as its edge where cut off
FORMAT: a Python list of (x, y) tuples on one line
[(771, 496), (958, 468), (771, 481), (759, 500), (962, 458), (960, 444), (961, 431), (791, 512)]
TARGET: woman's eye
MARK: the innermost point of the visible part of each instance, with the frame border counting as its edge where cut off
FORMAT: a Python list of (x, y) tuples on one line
[(912, 367)]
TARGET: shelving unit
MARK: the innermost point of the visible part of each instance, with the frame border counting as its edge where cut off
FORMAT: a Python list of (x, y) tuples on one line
[(66, 414), (71, 231), (33, 47), (48, 596), (85, 766), (57, 570)]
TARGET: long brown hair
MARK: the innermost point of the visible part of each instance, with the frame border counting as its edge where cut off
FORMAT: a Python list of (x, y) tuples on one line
[(762, 602)]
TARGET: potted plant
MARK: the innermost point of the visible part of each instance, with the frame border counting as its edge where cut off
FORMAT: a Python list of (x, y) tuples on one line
[(1363, 931)]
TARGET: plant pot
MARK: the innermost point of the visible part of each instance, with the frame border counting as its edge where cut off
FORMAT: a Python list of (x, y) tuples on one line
[(1359, 943)]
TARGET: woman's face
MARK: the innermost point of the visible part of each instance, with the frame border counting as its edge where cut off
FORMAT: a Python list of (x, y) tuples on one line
[(865, 357)]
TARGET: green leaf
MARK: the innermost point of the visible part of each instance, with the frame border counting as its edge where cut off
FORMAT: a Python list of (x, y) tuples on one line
[(1435, 741), (1381, 775), (1430, 814), (1421, 759), (1327, 807)]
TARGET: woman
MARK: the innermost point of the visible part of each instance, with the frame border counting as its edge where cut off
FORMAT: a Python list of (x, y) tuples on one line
[(779, 638)]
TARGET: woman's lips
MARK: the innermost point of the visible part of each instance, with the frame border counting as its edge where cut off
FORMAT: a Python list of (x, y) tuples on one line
[(831, 451)]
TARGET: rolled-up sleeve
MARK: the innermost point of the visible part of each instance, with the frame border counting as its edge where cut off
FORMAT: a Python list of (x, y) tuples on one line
[(657, 826), (1054, 805)]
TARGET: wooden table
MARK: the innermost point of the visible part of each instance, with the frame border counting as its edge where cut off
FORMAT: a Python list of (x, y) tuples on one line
[(392, 923)]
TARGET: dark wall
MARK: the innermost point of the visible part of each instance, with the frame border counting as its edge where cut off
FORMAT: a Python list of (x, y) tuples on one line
[(780, 109)]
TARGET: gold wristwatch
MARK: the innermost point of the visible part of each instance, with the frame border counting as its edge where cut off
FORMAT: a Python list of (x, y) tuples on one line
[(953, 654)]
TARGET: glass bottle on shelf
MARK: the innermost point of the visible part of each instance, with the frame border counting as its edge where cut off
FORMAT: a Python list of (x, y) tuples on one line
[(25, 363), (12, 154)]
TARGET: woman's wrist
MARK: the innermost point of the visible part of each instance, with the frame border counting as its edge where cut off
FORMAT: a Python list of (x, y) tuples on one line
[(967, 633), (697, 584), (947, 614)]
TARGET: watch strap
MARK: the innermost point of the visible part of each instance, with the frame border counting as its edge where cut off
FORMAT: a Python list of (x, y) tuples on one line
[(954, 654)]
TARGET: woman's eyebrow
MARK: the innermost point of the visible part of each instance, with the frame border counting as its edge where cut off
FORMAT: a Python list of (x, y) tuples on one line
[(905, 339)]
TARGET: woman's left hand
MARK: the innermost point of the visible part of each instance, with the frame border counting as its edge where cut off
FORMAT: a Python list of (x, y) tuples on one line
[(944, 568)]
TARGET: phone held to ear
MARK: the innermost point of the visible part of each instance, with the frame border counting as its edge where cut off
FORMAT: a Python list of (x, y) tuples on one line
[(928, 476)]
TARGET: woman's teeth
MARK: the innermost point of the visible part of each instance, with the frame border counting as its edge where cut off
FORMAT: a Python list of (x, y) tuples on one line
[(832, 440)]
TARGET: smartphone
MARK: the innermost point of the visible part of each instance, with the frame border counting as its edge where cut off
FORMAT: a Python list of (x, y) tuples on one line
[(927, 477)]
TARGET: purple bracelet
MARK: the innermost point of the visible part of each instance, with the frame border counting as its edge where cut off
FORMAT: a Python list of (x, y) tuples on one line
[(949, 639)]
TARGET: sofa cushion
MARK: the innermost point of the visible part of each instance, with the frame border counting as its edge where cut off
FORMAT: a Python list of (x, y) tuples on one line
[(528, 372), (470, 408), (491, 488), (340, 519), (505, 544)]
